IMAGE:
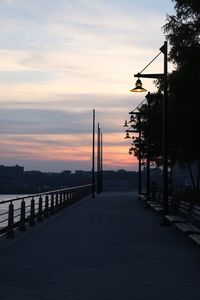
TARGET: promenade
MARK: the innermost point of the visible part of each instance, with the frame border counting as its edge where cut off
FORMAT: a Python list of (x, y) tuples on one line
[(107, 248)]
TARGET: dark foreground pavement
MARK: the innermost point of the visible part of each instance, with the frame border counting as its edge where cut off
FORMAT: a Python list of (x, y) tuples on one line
[(107, 248)]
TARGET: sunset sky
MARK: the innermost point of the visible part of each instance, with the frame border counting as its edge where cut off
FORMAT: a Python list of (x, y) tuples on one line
[(59, 60)]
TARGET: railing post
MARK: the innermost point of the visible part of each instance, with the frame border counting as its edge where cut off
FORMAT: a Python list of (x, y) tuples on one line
[(32, 213), (22, 226), (10, 230), (67, 198), (61, 201), (73, 197), (52, 205), (80, 194), (76, 196), (58, 200), (39, 217), (57, 204), (46, 210), (70, 198), (64, 199)]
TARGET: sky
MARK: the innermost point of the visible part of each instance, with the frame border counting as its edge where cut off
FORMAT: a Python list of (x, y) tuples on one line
[(61, 59)]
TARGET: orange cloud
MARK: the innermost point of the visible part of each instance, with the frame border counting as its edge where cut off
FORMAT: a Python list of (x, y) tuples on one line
[(65, 148)]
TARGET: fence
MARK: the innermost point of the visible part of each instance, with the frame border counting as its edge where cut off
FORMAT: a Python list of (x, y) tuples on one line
[(27, 210)]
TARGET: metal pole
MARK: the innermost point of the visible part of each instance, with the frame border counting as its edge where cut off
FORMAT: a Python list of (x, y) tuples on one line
[(98, 159), (93, 155), (165, 135), (171, 178), (139, 160), (148, 146), (101, 161), (164, 50)]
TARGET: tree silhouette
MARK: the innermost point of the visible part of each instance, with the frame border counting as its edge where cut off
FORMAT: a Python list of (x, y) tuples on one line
[(183, 33)]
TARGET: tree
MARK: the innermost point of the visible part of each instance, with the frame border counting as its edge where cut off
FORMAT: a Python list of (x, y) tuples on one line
[(183, 33), (150, 124)]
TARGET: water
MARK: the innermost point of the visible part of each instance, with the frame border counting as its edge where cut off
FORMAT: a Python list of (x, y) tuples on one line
[(4, 206), (9, 196), (17, 204)]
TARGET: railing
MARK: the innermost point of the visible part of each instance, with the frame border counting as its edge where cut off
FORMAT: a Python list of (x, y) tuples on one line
[(27, 210)]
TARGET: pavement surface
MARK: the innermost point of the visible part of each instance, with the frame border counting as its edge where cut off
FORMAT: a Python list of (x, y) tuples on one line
[(106, 248)]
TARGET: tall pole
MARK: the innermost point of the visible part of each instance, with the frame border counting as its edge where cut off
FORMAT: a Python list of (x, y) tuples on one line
[(148, 146), (101, 161), (98, 159), (139, 160), (165, 134), (93, 155), (164, 50)]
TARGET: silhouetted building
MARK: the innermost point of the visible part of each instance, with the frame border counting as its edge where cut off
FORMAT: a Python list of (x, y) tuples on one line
[(66, 172), (120, 180), (11, 179)]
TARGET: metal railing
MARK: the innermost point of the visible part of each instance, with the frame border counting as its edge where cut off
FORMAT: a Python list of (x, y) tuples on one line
[(27, 210)]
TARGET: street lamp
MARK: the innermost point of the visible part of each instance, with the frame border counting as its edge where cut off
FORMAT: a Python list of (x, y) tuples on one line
[(163, 76), (138, 145), (125, 124), (138, 87), (127, 136), (138, 114), (139, 148), (148, 97)]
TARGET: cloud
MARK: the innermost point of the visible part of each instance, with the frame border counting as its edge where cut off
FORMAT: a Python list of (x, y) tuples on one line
[(76, 149), (59, 60), (66, 114)]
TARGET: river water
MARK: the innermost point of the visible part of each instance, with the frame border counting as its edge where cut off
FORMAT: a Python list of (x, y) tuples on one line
[(17, 204)]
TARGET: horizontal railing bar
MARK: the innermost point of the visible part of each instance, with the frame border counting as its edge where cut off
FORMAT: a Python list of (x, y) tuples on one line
[(4, 214), (3, 221), (17, 216), (17, 210), (44, 193)]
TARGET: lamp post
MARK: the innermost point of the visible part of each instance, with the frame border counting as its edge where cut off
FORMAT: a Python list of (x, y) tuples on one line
[(138, 114), (93, 154), (148, 150), (148, 96), (139, 88), (99, 181), (139, 158), (99, 159)]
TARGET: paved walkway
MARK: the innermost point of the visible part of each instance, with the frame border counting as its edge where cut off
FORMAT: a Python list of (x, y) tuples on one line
[(107, 248)]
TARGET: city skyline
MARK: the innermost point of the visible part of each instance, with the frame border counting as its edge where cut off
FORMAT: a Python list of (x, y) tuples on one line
[(59, 60)]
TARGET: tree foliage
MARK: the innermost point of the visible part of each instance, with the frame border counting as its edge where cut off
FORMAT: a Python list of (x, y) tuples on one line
[(150, 125), (183, 33)]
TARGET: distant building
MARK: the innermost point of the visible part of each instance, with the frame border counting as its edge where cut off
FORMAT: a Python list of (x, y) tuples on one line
[(78, 172), (11, 179), (66, 172), (120, 180), (118, 185)]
